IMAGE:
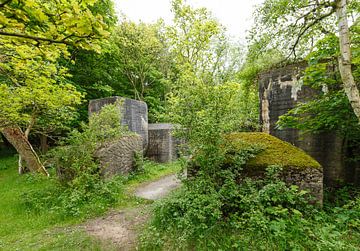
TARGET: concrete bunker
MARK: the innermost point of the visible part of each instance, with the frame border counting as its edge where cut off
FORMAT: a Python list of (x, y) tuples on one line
[(279, 91), (163, 146), (134, 114)]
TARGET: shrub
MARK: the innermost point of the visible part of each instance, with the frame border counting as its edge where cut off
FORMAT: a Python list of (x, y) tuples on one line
[(79, 189), (202, 210), (74, 160)]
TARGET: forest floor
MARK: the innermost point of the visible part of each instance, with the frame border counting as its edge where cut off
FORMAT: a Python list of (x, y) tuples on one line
[(116, 229), (121, 227)]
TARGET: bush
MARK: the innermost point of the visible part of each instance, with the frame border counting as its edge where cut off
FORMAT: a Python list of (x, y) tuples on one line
[(256, 214), (74, 160), (80, 202), (79, 189)]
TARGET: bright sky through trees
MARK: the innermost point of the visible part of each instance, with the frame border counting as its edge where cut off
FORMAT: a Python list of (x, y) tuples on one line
[(236, 15)]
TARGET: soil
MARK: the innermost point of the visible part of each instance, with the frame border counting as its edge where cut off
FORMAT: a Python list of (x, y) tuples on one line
[(121, 227), (158, 189)]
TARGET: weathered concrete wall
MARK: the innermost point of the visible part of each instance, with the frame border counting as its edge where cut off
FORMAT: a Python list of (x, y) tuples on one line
[(279, 91), (118, 157), (162, 145), (307, 178), (134, 114)]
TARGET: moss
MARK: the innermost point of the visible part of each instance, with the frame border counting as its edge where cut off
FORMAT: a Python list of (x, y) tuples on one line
[(276, 151)]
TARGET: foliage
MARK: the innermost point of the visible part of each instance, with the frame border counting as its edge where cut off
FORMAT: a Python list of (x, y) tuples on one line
[(200, 214), (39, 213), (26, 229), (144, 65), (74, 160), (256, 214), (34, 35), (198, 44), (134, 63), (6, 162), (295, 26), (82, 190), (203, 101), (207, 112), (329, 109), (308, 29), (141, 62)]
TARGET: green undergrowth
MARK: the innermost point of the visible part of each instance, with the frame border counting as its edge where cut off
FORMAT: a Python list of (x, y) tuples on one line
[(263, 214), (276, 151), (37, 213)]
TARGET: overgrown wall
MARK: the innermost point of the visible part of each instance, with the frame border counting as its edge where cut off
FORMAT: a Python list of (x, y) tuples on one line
[(118, 156), (134, 114), (279, 91)]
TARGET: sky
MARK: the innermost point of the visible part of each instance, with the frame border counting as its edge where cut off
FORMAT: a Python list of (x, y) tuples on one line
[(235, 15)]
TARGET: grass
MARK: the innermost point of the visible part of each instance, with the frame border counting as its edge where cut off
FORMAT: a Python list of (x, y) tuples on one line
[(24, 229)]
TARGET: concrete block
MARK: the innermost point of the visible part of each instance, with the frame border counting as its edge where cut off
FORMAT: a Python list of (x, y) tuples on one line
[(118, 157), (163, 146), (134, 114)]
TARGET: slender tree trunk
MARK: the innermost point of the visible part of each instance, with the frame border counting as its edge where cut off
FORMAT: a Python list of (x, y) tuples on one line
[(21, 166), (347, 77), (18, 139), (44, 143)]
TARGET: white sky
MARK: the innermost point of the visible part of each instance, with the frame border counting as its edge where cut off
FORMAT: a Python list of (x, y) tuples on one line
[(235, 15)]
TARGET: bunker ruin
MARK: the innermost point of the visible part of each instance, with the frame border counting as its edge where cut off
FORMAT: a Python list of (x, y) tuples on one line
[(279, 91)]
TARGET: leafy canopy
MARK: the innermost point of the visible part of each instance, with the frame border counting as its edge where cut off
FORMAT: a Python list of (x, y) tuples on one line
[(34, 34)]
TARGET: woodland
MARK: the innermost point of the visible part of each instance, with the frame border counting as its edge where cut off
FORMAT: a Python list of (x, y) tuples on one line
[(56, 56)]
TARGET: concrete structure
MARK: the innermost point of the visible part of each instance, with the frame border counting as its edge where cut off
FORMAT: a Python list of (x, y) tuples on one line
[(279, 91), (134, 114), (162, 146), (118, 157)]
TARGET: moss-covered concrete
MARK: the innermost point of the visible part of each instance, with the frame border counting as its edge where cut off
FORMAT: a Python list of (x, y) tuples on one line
[(276, 151)]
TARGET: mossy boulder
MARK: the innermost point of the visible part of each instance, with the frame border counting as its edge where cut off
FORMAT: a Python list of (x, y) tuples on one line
[(275, 151), (298, 167)]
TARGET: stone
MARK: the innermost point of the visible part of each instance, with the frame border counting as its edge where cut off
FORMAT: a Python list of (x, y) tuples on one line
[(134, 114), (298, 168), (279, 91), (118, 156), (162, 145)]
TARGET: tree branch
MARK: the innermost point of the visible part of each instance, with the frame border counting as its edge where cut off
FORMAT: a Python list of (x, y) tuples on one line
[(34, 38), (62, 41), (4, 3), (307, 27)]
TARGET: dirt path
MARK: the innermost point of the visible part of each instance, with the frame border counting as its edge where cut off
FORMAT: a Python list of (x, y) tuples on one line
[(158, 189), (121, 227)]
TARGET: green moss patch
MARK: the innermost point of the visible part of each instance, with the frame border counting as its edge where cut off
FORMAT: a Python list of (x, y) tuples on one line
[(276, 151)]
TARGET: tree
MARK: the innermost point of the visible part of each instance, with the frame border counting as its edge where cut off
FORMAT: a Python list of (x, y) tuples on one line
[(205, 97), (139, 51), (329, 109), (34, 34), (302, 23), (134, 63), (143, 61), (195, 40)]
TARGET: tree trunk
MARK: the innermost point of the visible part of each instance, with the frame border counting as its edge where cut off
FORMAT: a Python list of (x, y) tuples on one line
[(347, 77), (22, 168), (44, 146), (18, 139)]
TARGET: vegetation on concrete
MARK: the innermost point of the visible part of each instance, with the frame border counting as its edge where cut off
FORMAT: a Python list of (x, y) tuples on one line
[(57, 56), (256, 214), (275, 151)]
